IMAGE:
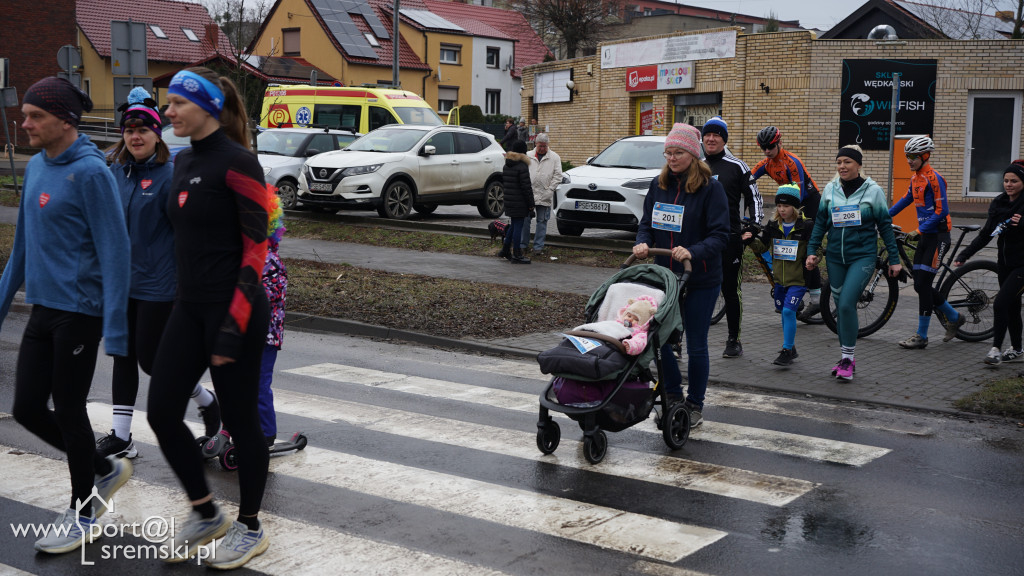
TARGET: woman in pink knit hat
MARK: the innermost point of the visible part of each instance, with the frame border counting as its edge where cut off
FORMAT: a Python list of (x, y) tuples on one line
[(686, 210)]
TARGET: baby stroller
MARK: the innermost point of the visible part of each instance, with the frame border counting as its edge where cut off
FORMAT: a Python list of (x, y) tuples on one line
[(610, 390)]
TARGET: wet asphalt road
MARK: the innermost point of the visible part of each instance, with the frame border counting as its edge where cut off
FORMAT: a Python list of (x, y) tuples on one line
[(422, 461)]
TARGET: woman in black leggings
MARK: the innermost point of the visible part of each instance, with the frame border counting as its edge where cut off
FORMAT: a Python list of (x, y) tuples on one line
[(218, 208), (1004, 214)]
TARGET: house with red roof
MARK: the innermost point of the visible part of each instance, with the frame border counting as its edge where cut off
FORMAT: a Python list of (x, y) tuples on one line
[(178, 34)]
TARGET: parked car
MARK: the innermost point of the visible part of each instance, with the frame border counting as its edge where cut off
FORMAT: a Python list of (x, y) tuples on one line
[(283, 151), (609, 191), (396, 169), (174, 143)]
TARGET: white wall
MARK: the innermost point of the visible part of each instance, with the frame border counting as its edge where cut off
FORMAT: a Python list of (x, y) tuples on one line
[(499, 78)]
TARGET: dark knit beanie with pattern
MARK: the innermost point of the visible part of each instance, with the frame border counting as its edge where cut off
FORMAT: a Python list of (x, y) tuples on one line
[(60, 98)]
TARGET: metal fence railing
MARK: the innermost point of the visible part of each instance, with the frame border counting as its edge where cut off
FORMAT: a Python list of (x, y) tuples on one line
[(101, 126)]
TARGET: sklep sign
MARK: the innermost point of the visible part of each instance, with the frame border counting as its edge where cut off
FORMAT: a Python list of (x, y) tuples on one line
[(865, 106), (666, 76)]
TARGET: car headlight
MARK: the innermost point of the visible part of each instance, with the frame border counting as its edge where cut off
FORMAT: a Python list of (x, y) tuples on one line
[(266, 170), (357, 170), (639, 184), (566, 179)]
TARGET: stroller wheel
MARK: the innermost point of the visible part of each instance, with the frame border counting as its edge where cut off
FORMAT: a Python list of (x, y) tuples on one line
[(548, 437), (595, 447), (676, 426)]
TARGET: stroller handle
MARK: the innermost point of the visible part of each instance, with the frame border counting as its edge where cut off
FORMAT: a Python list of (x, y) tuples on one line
[(687, 268)]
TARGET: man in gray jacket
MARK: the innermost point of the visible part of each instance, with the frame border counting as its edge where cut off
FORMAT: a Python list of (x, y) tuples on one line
[(546, 175)]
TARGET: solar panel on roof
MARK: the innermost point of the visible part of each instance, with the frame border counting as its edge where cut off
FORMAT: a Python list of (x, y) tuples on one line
[(335, 15), (429, 19)]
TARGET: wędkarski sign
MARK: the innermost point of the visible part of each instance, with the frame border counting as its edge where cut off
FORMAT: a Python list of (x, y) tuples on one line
[(865, 106)]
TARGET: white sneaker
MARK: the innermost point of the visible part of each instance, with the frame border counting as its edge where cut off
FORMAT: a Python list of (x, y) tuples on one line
[(238, 547), (994, 356), (197, 531), (1011, 355), (67, 533)]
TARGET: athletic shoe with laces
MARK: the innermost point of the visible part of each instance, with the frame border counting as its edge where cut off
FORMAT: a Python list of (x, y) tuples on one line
[(952, 327), (845, 369), (786, 357), (111, 445), (696, 419), (196, 532), (915, 342), (994, 356), (67, 533), (238, 547), (733, 348), (211, 417), (1011, 355), (120, 471)]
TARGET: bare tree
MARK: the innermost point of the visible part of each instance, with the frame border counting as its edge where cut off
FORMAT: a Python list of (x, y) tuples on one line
[(961, 19), (578, 24), (240, 20)]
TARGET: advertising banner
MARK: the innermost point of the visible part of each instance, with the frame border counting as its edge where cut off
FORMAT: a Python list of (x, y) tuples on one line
[(704, 46), (667, 76), (866, 101)]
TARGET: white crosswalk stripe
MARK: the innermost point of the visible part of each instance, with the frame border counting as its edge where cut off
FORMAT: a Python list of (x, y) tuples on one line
[(781, 442), (292, 546), (598, 525)]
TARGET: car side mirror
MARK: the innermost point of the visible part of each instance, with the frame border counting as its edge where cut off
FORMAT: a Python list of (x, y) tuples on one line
[(428, 150), (589, 160), (312, 152)]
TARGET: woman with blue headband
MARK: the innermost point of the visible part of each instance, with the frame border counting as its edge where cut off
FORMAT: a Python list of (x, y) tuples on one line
[(218, 209)]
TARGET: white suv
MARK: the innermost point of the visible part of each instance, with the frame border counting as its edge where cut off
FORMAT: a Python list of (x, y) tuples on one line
[(609, 191), (400, 168)]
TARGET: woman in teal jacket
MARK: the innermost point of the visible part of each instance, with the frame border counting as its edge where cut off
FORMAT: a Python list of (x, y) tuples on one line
[(853, 212)]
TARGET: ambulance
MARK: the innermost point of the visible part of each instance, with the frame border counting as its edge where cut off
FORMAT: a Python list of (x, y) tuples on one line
[(355, 108)]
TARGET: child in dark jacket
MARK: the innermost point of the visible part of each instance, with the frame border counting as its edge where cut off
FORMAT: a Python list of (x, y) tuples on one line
[(275, 282), (786, 236)]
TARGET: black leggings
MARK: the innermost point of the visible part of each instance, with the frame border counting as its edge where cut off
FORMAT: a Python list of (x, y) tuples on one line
[(182, 358), (732, 264), (931, 248), (1006, 307), (57, 359), (146, 321)]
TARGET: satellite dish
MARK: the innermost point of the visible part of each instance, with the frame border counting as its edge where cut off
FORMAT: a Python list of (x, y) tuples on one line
[(883, 32)]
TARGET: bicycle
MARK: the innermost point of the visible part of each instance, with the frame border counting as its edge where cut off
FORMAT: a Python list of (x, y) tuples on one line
[(766, 268), (970, 289)]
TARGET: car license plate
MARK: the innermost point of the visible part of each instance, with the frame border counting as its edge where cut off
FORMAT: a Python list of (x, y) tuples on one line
[(592, 206), (321, 187)]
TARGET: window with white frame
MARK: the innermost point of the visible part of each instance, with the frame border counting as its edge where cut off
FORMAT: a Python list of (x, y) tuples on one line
[(450, 53), (190, 34), (158, 31), (447, 98), (493, 57), (492, 102)]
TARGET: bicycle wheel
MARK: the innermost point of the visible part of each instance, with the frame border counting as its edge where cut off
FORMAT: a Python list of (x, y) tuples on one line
[(719, 312), (971, 289), (875, 306)]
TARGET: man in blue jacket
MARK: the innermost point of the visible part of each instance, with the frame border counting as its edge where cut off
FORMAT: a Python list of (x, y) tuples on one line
[(71, 252)]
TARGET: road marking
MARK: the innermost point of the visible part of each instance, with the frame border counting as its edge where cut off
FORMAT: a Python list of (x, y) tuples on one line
[(12, 571), (292, 543), (798, 445), (589, 524), (824, 412)]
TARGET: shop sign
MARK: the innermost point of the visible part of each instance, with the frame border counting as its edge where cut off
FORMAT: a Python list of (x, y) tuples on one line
[(865, 107), (668, 76)]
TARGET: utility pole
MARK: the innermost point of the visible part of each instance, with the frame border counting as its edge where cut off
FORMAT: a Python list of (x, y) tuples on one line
[(395, 43)]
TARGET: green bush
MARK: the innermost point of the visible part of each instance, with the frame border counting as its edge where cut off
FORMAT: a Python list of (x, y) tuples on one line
[(471, 113), (566, 165)]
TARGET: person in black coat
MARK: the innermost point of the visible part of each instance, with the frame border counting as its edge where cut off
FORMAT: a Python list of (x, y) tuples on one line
[(519, 201), (511, 135)]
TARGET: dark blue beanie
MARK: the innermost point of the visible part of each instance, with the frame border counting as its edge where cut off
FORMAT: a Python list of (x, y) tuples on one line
[(716, 126)]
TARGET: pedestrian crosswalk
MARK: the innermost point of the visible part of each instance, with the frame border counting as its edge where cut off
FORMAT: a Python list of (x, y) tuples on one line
[(656, 542)]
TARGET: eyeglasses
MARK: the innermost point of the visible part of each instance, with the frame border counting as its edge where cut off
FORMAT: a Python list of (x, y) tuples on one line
[(679, 154), (767, 147), (913, 157)]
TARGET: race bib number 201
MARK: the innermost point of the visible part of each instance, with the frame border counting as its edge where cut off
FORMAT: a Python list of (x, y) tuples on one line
[(668, 217)]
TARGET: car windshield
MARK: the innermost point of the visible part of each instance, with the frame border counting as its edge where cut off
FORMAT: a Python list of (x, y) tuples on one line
[(388, 140), (638, 154), (281, 143), (167, 135), (420, 116)]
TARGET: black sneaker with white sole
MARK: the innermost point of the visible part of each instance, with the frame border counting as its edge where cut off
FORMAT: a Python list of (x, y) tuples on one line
[(733, 348), (111, 445)]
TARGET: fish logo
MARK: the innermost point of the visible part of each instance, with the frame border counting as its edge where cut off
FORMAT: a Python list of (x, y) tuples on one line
[(182, 197)]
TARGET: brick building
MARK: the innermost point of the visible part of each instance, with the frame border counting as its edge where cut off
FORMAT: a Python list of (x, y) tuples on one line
[(977, 102)]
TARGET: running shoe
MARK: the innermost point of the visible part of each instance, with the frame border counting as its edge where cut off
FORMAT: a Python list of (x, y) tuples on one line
[(994, 356), (120, 471), (733, 348), (197, 531), (915, 342), (238, 547), (67, 533), (696, 419), (1011, 355), (786, 357), (952, 327), (845, 369), (211, 417), (111, 445)]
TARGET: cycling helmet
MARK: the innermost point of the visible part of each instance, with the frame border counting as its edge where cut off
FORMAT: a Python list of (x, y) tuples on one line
[(919, 145), (769, 135)]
